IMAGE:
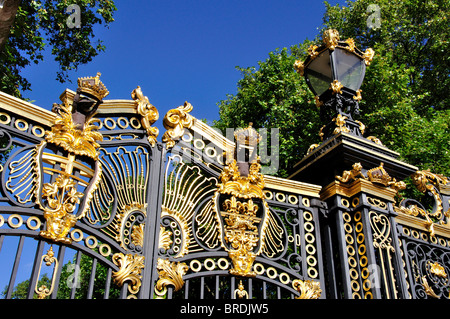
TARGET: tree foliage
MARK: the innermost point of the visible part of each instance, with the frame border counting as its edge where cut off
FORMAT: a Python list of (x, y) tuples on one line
[(39, 24), (405, 91), (70, 279)]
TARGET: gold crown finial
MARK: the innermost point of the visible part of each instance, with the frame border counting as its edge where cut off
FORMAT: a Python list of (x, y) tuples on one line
[(93, 86), (247, 136)]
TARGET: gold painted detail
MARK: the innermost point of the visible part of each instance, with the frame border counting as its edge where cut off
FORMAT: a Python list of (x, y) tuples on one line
[(186, 187), (299, 67), (93, 86), (437, 269), (49, 258), (170, 273), (433, 184), (308, 289), (358, 97), (353, 174), (374, 139), (336, 87), (130, 268), (165, 238), (428, 290), (175, 121), (149, 114), (377, 175), (62, 198), (242, 234), (382, 240), (66, 134), (368, 56), (331, 38), (129, 171), (350, 45), (231, 181), (340, 124), (241, 293)]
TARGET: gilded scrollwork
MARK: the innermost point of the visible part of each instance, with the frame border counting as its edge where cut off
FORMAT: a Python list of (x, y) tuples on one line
[(432, 184), (49, 258), (308, 289), (331, 38), (170, 274), (149, 114), (67, 134), (130, 268), (175, 121)]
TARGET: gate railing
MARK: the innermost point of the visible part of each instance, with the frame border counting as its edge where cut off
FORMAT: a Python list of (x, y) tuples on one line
[(121, 215)]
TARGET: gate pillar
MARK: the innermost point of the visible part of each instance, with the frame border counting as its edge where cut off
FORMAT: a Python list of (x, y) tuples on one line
[(360, 179)]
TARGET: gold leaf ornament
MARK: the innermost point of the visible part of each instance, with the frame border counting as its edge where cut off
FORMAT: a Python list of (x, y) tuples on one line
[(149, 114), (66, 134), (130, 270), (308, 289), (170, 273), (175, 121)]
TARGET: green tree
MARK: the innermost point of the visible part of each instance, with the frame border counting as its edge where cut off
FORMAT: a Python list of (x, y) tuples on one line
[(404, 92), (38, 24), (68, 280), (21, 290)]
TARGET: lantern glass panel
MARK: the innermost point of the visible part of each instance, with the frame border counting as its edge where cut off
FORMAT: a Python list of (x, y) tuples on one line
[(349, 69), (319, 74)]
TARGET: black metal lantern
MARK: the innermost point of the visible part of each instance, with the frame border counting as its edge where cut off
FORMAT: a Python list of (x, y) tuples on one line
[(334, 72)]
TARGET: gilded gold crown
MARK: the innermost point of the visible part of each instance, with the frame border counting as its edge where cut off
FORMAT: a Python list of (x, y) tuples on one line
[(379, 175), (248, 136), (93, 86)]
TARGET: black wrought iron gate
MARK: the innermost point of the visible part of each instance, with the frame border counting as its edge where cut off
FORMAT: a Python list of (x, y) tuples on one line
[(100, 209), (93, 206)]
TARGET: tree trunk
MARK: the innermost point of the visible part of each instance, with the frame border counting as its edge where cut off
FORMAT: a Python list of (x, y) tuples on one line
[(8, 10)]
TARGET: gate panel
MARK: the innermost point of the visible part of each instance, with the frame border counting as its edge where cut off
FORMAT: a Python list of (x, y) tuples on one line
[(79, 207), (197, 256)]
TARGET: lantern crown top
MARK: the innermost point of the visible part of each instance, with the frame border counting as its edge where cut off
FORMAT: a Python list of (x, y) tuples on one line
[(93, 86)]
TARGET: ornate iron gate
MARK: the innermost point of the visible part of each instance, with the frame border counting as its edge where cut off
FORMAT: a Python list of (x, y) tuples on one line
[(96, 207), (106, 211)]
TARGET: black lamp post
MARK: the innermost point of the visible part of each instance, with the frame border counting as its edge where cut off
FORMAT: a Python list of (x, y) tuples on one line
[(334, 72)]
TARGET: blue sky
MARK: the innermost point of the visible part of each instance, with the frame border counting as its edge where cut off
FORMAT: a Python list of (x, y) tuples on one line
[(177, 51), (184, 50)]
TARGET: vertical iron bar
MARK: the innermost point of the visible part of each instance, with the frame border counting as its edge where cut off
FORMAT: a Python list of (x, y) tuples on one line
[(123, 291), (202, 287), (233, 287), (217, 292), (250, 288), (77, 273), (15, 267), (108, 283), (264, 290), (61, 253), (92, 279), (186, 289), (1, 241), (36, 267)]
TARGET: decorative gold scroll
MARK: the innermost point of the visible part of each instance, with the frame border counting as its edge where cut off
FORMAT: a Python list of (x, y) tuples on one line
[(130, 268), (149, 114), (49, 258), (67, 135), (175, 121), (170, 273), (308, 289)]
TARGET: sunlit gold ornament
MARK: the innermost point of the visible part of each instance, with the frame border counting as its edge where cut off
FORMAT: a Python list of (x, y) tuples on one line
[(67, 167)]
